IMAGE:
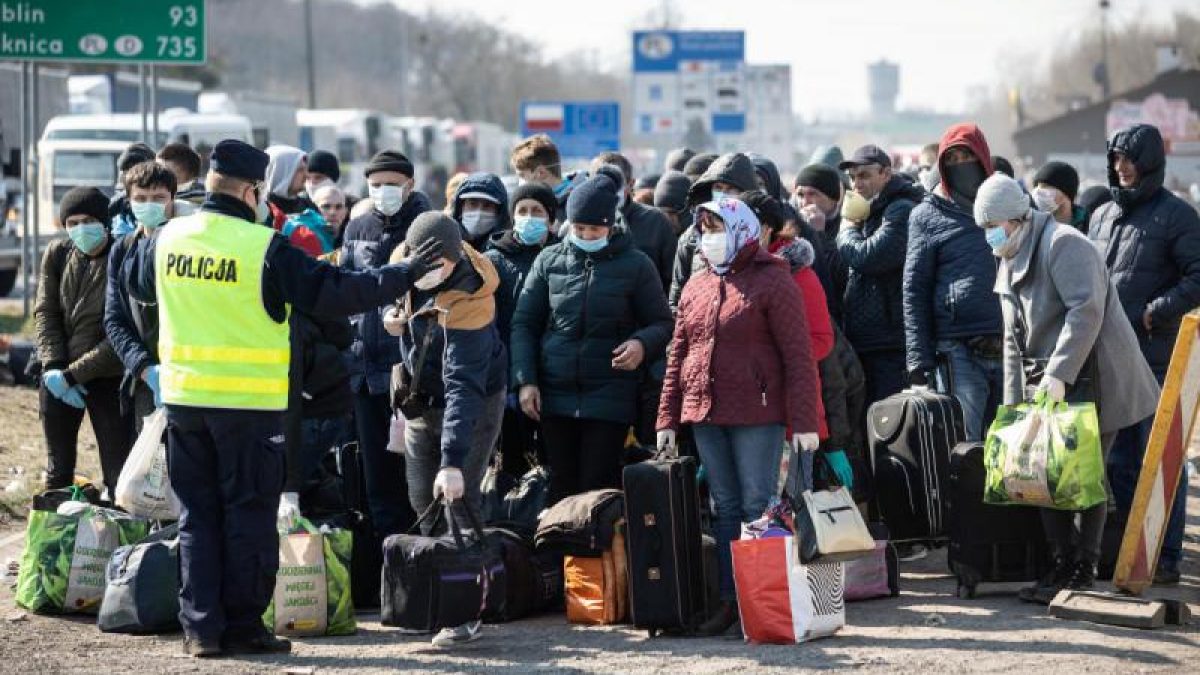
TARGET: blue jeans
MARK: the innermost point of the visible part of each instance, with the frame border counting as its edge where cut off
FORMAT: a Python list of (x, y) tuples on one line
[(1124, 468), (742, 464), (976, 382)]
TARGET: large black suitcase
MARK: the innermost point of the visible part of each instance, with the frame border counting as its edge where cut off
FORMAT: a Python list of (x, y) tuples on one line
[(912, 434), (533, 582), (366, 555), (989, 543), (663, 539)]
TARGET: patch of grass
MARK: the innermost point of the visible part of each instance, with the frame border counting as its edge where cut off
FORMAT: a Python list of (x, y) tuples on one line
[(14, 323)]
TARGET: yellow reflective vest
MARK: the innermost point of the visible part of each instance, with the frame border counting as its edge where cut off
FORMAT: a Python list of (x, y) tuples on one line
[(218, 347)]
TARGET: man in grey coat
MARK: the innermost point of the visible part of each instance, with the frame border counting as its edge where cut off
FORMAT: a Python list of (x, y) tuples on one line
[(1065, 335)]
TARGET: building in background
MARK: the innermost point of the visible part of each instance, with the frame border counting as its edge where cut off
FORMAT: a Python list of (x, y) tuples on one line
[(1171, 102), (769, 117), (883, 87)]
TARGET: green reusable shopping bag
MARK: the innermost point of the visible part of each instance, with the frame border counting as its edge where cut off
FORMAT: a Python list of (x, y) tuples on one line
[(66, 553), (1047, 455), (312, 587)]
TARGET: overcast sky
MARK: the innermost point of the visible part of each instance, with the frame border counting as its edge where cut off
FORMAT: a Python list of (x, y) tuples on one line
[(944, 47)]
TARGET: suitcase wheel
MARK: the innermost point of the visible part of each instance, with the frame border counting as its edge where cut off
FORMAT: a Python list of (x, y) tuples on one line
[(965, 591)]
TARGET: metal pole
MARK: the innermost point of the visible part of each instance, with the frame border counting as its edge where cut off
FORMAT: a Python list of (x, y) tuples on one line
[(1105, 88), (34, 183), (312, 71), (25, 198), (154, 105), (142, 98)]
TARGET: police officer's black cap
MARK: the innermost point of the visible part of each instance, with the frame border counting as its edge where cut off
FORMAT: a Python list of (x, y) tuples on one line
[(237, 159)]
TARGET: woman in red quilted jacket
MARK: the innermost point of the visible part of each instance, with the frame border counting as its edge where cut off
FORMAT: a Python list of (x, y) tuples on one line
[(740, 370)]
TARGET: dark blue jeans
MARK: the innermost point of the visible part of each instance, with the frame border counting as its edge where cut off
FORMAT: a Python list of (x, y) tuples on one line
[(976, 383), (742, 464), (387, 487), (1124, 467)]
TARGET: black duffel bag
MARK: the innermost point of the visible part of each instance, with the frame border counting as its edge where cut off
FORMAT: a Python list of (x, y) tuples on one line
[(581, 524), (141, 593), (533, 582), (430, 583)]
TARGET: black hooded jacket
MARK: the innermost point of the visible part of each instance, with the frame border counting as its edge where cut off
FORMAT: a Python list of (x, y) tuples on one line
[(1150, 240), (512, 260)]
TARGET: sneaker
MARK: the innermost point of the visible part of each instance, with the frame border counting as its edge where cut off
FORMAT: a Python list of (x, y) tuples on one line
[(1166, 576), (200, 649), (458, 635), (262, 643), (911, 552)]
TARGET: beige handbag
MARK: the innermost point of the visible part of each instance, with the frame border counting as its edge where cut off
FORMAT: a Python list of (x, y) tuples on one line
[(829, 527)]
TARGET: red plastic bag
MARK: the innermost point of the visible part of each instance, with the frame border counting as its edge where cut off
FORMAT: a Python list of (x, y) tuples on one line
[(782, 601)]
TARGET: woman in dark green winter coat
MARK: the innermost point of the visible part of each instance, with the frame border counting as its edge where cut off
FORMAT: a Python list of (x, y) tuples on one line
[(591, 309)]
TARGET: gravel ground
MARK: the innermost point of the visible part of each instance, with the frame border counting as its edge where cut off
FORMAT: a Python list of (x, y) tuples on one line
[(926, 629)]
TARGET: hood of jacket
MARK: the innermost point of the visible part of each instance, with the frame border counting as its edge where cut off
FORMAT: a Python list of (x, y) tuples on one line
[(900, 186), (798, 252), (488, 184), (282, 167), (734, 168), (1143, 145), (969, 135), (767, 170), (506, 242)]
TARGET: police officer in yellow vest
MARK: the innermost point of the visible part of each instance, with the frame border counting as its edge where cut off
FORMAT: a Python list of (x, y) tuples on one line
[(224, 288)]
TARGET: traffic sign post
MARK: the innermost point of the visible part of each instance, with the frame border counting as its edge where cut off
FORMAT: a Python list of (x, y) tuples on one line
[(580, 129), (104, 31)]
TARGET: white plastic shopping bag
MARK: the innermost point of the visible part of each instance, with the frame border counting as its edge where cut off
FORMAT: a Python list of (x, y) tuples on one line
[(144, 488)]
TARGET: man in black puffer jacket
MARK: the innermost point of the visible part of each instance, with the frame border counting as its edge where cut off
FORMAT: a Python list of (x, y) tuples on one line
[(369, 241), (1150, 240), (874, 252)]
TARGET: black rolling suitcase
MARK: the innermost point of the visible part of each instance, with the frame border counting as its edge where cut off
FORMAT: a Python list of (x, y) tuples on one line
[(665, 550), (989, 543), (366, 554), (911, 435)]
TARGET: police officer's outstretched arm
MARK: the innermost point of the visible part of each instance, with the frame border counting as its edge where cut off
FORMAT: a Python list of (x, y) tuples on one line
[(319, 288)]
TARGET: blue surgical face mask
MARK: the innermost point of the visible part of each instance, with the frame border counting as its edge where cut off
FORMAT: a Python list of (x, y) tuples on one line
[(589, 245), (530, 230), (996, 237), (717, 195), (149, 214), (88, 237)]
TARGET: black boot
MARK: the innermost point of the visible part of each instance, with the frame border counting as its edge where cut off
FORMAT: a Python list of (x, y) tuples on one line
[(1051, 583), (1083, 576), (720, 621), (259, 642)]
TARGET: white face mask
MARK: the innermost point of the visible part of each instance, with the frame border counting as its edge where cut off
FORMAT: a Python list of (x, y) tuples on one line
[(1046, 199), (477, 223), (388, 198), (715, 246), (431, 279)]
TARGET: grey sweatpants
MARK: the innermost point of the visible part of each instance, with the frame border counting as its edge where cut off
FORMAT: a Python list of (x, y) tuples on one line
[(1081, 541), (423, 452)]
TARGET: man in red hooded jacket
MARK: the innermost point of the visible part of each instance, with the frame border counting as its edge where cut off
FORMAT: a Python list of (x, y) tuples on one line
[(950, 310)]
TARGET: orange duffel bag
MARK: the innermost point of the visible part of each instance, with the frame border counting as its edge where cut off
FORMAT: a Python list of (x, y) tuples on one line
[(597, 589)]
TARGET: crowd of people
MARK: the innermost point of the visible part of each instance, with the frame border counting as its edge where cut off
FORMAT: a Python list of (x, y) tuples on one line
[(584, 318)]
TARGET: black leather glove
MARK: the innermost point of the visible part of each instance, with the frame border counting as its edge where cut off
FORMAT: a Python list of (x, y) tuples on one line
[(425, 259)]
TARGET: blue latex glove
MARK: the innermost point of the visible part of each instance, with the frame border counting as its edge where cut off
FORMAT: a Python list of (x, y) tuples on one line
[(56, 383), (841, 467), (151, 379), (74, 396)]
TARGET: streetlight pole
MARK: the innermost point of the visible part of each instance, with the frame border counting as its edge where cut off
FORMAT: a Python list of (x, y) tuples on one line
[(1105, 89), (308, 35)]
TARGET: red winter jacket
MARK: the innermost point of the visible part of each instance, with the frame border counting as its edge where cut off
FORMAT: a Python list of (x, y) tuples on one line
[(741, 354), (301, 238), (820, 326)]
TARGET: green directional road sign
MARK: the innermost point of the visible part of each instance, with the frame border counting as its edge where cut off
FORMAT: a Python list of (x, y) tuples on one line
[(111, 31)]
